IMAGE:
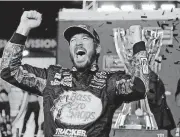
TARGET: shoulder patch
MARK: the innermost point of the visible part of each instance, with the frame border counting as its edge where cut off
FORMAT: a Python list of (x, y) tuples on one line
[(58, 67), (101, 74)]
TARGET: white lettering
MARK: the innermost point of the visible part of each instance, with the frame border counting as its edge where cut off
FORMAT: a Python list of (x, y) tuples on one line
[(101, 74), (47, 43), (34, 43), (160, 135), (41, 43), (94, 86), (98, 79), (70, 132), (58, 131), (57, 75), (83, 132), (55, 82)]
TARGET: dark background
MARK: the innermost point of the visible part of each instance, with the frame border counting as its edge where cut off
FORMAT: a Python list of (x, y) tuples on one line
[(10, 14), (11, 11)]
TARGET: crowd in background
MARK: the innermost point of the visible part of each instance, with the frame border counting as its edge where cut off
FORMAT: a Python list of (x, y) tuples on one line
[(17, 107)]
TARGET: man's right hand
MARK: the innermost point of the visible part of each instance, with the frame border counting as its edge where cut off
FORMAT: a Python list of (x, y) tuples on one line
[(29, 19)]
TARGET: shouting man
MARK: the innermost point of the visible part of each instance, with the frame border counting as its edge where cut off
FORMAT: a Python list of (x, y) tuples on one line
[(81, 101)]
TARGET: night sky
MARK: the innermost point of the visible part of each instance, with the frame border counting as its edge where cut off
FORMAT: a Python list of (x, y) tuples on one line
[(11, 11)]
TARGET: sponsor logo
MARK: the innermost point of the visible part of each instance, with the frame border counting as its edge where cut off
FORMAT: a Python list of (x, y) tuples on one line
[(60, 132), (65, 81), (76, 108), (144, 63), (101, 75), (55, 82), (57, 76), (98, 80), (66, 73), (95, 86), (34, 43)]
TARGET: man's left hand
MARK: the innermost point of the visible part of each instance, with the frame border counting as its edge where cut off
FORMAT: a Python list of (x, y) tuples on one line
[(124, 85)]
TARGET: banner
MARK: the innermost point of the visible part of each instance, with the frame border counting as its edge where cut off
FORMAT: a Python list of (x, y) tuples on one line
[(36, 47), (35, 43)]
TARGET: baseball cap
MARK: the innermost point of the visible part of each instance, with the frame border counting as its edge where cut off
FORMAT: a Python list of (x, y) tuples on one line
[(73, 30)]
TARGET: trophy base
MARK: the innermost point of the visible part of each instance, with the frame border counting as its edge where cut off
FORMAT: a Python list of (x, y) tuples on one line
[(133, 127), (137, 133)]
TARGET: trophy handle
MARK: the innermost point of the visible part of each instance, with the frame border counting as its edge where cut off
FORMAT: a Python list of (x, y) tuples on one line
[(119, 49)]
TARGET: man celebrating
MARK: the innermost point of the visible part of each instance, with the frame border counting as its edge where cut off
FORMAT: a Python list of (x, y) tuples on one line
[(81, 101)]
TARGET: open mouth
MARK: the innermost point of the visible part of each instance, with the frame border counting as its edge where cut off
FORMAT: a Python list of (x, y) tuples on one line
[(80, 52), (80, 55)]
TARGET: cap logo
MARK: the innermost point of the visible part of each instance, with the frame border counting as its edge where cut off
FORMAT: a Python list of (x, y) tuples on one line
[(83, 26), (87, 29)]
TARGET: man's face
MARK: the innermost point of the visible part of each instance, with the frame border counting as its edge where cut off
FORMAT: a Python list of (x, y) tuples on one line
[(82, 50)]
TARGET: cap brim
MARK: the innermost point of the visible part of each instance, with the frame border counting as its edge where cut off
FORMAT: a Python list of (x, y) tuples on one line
[(73, 30)]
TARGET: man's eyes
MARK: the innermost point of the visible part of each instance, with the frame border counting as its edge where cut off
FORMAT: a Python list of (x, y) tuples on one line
[(85, 38), (72, 40)]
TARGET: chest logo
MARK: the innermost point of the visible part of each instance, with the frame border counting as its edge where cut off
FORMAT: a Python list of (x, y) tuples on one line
[(76, 108)]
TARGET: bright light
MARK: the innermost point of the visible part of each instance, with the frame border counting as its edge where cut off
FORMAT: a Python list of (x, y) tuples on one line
[(127, 7), (148, 6), (167, 6), (108, 8), (25, 53)]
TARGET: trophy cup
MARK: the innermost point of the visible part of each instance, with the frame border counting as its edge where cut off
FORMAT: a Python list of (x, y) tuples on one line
[(137, 114)]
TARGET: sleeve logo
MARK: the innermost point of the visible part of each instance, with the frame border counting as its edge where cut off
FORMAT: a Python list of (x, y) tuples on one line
[(144, 64)]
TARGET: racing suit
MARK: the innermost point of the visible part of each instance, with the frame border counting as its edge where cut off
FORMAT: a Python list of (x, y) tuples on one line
[(74, 105)]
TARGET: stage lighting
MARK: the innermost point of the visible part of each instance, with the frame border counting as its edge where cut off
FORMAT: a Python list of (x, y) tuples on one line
[(148, 6), (25, 53), (127, 7), (108, 8), (167, 6)]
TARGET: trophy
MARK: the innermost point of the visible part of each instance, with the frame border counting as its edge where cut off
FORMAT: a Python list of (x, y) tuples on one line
[(137, 114)]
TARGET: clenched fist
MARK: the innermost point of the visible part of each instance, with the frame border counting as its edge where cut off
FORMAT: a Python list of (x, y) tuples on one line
[(29, 19), (124, 86)]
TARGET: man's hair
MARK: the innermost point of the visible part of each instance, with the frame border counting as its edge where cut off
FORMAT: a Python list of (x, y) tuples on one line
[(97, 54)]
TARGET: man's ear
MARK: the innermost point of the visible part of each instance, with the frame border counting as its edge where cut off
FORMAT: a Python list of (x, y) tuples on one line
[(98, 48)]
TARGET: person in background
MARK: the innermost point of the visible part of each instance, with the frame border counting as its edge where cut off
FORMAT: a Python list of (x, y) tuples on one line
[(177, 99), (177, 94), (5, 123), (158, 105), (32, 107)]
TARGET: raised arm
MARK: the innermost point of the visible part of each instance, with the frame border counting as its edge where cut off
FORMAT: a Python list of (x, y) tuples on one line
[(26, 77)]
